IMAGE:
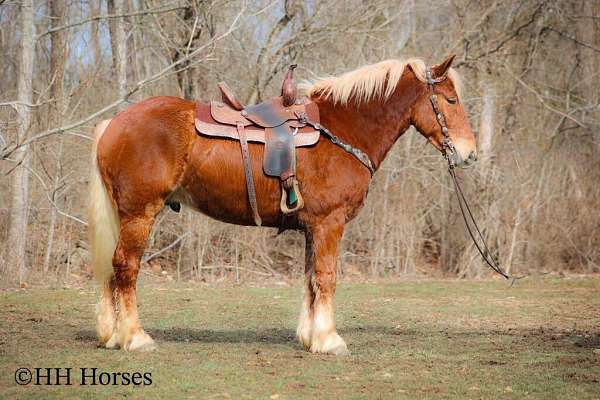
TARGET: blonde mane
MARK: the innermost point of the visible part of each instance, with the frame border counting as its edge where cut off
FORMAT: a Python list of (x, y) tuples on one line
[(375, 81)]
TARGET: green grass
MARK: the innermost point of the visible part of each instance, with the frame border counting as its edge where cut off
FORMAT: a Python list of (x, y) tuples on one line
[(412, 339)]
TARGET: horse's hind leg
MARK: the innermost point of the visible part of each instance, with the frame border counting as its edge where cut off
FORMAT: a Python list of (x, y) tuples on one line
[(133, 234), (106, 313), (316, 328)]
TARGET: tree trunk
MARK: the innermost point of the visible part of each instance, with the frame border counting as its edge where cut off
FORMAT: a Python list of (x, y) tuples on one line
[(17, 234), (586, 33), (116, 27), (131, 22), (265, 64), (95, 9), (185, 73), (58, 56), (486, 123)]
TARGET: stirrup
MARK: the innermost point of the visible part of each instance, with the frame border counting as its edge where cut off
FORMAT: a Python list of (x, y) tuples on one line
[(284, 198)]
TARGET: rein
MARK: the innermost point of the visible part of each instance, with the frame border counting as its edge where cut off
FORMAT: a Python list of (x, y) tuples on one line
[(448, 149), (465, 210)]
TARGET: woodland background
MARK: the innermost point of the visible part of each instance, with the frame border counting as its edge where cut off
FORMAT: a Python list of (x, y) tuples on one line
[(531, 74)]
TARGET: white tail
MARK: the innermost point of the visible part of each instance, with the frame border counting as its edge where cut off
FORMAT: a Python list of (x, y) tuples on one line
[(103, 221)]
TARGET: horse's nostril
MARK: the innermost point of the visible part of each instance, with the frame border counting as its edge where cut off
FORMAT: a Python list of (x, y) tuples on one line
[(473, 156)]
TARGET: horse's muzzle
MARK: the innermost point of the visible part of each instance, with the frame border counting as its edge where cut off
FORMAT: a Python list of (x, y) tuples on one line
[(458, 161)]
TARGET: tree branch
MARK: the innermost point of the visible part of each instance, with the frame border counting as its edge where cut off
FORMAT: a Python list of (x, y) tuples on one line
[(107, 16), (570, 37), (506, 39), (543, 101)]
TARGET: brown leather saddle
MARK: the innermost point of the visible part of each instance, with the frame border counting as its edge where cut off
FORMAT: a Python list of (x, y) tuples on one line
[(279, 123)]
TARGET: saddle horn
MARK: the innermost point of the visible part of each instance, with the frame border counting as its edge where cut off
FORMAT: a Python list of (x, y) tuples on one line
[(289, 90)]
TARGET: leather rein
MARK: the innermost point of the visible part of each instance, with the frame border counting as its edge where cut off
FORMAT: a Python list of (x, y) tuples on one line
[(447, 150)]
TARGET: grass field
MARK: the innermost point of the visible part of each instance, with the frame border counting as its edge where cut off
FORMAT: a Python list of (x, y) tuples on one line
[(410, 339)]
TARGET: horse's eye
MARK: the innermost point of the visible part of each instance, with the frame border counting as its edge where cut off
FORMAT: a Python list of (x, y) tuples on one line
[(452, 100)]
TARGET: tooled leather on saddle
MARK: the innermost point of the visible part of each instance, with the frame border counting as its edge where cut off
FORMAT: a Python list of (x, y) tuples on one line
[(269, 123), (219, 120)]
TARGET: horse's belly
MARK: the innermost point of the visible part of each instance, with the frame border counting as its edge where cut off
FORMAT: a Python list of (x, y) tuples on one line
[(215, 184)]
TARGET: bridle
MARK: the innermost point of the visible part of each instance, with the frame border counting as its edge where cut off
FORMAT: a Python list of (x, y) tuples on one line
[(448, 150)]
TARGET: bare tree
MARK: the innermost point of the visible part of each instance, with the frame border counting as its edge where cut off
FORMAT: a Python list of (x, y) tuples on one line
[(192, 24), (119, 44), (267, 63), (17, 236), (95, 7), (58, 57), (486, 121)]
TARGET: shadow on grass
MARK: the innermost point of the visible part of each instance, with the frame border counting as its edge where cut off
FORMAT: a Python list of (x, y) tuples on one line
[(528, 337), (275, 335)]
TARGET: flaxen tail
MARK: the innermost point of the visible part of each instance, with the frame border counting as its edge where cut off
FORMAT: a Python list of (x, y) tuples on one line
[(103, 221)]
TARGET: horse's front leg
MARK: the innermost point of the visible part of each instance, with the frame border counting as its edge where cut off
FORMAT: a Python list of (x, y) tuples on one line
[(316, 328)]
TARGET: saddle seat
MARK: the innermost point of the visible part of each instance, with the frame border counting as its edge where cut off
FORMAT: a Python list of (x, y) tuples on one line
[(278, 127)]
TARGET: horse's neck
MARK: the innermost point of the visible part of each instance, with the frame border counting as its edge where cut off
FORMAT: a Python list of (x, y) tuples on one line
[(372, 127)]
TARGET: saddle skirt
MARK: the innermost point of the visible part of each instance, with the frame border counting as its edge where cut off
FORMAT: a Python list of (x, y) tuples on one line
[(217, 119)]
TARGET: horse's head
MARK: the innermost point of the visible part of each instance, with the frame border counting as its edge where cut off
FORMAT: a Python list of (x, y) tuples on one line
[(440, 117)]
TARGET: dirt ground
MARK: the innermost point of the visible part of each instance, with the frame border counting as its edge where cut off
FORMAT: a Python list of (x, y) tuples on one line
[(409, 339)]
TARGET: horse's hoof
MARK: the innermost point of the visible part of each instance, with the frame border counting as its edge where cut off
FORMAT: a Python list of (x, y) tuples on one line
[(112, 343), (303, 336), (333, 345), (148, 347), (141, 342), (339, 351)]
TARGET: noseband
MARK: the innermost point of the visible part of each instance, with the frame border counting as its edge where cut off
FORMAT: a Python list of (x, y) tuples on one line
[(448, 150)]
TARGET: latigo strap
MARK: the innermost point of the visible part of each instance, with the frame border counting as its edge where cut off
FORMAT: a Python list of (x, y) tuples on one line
[(248, 173)]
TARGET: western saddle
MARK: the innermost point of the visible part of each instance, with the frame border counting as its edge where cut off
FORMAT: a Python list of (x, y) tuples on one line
[(281, 124)]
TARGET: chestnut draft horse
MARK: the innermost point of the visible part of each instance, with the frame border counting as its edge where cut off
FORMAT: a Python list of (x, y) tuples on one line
[(150, 154)]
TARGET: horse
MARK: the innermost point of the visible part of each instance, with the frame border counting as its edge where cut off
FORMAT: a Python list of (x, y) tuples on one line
[(150, 154)]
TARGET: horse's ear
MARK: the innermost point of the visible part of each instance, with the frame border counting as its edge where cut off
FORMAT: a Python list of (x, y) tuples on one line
[(441, 69)]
